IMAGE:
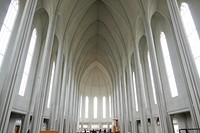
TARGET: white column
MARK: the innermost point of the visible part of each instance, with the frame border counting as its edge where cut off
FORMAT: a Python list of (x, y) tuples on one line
[(56, 88), (71, 106), (118, 98), (140, 88), (148, 87), (62, 99), (125, 102), (131, 97), (39, 107), (166, 125), (114, 101), (190, 73), (67, 104), (8, 83), (121, 112), (75, 112), (83, 108)]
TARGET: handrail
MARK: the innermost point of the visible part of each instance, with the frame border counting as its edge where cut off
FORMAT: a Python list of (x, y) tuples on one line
[(188, 129)]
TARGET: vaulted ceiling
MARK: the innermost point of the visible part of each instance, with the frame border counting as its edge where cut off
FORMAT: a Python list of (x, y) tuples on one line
[(102, 31)]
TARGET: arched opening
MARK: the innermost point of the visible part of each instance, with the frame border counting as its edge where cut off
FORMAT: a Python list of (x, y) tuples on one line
[(7, 27)]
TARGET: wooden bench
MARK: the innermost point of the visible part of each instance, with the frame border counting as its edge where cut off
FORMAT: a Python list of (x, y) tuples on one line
[(48, 132)]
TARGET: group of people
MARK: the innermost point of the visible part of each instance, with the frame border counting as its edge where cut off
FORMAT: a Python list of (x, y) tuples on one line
[(99, 131)]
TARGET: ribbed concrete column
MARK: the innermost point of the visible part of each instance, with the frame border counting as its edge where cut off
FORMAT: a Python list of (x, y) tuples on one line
[(166, 125), (118, 99), (9, 90), (114, 101), (190, 73), (83, 109), (74, 104), (148, 87), (39, 107), (75, 112), (35, 73), (107, 106), (56, 88), (68, 99), (71, 106), (121, 105), (140, 90), (58, 100), (125, 103), (66, 104), (62, 99), (131, 94)]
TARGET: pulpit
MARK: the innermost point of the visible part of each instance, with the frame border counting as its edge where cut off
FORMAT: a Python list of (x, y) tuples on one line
[(116, 126)]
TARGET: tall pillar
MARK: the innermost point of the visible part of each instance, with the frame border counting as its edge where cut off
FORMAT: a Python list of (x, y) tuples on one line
[(35, 73), (9, 90), (75, 112), (140, 91), (125, 97), (56, 88), (165, 121), (131, 96), (190, 73), (113, 101), (148, 87), (121, 104), (39, 107), (58, 100), (83, 109), (118, 98), (67, 104), (71, 106), (62, 99)]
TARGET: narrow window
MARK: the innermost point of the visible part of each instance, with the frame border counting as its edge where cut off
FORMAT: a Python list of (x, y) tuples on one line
[(86, 106), (28, 63), (110, 106), (85, 126), (51, 85), (176, 128), (94, 126), (134, 86), (105, 126), (152, 79), (191, 32), (95, 107), (81, 106), (7, 27), (104, 107), (168, 64)]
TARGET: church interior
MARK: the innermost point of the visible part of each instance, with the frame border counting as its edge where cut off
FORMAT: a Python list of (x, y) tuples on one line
[(121, 66)]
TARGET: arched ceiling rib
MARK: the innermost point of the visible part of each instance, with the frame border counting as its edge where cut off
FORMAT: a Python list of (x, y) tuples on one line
[(99, 31), (96, 81), (98, 25)]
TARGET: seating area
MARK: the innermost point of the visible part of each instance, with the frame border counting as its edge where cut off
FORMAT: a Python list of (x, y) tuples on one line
[(48, 132)]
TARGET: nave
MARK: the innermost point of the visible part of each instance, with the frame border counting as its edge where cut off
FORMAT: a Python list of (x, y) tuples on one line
[(73, 66)]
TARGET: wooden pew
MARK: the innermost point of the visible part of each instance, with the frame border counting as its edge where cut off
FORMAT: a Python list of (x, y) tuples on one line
[(48, 132)]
